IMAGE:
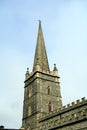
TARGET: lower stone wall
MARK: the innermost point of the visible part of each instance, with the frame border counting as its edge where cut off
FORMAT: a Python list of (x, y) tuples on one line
[(75, 126)]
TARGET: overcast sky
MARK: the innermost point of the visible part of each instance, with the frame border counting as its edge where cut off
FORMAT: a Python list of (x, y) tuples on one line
[(64, 25)]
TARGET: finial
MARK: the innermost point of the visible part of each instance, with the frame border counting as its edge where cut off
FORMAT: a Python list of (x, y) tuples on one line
[(55, 68), (27, 74), (27, 69)]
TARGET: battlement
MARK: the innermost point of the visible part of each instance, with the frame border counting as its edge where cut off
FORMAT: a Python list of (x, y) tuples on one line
[(74, 112), (66, 108), (77, 102), (65, 120)]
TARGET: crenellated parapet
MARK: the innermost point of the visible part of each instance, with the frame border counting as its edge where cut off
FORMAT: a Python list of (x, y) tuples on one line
[(68, 107), (69, 114), (75, 103)]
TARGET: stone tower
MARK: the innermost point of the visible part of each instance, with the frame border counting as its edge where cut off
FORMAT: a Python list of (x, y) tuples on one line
[(42, 87)]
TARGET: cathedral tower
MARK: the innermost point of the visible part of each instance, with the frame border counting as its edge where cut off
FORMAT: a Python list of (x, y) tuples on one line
[(42, 87)]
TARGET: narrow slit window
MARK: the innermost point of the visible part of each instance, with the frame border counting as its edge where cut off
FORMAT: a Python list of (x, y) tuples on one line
[(50, 107), (49, 90)]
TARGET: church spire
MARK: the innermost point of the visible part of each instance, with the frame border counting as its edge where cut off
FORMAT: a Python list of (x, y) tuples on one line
[(40, 59)]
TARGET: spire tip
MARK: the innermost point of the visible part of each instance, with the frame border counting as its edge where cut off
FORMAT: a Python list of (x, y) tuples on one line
[(39, 21)]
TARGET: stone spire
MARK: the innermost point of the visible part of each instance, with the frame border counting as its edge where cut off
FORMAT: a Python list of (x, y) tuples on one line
[(40, 59)]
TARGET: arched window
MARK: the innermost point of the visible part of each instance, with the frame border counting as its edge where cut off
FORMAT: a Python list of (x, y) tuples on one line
[(50, 107), (49, 90), (29, 111)]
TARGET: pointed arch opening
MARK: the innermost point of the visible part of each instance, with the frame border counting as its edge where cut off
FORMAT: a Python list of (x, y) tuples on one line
[(50, 107), (49, 90)]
